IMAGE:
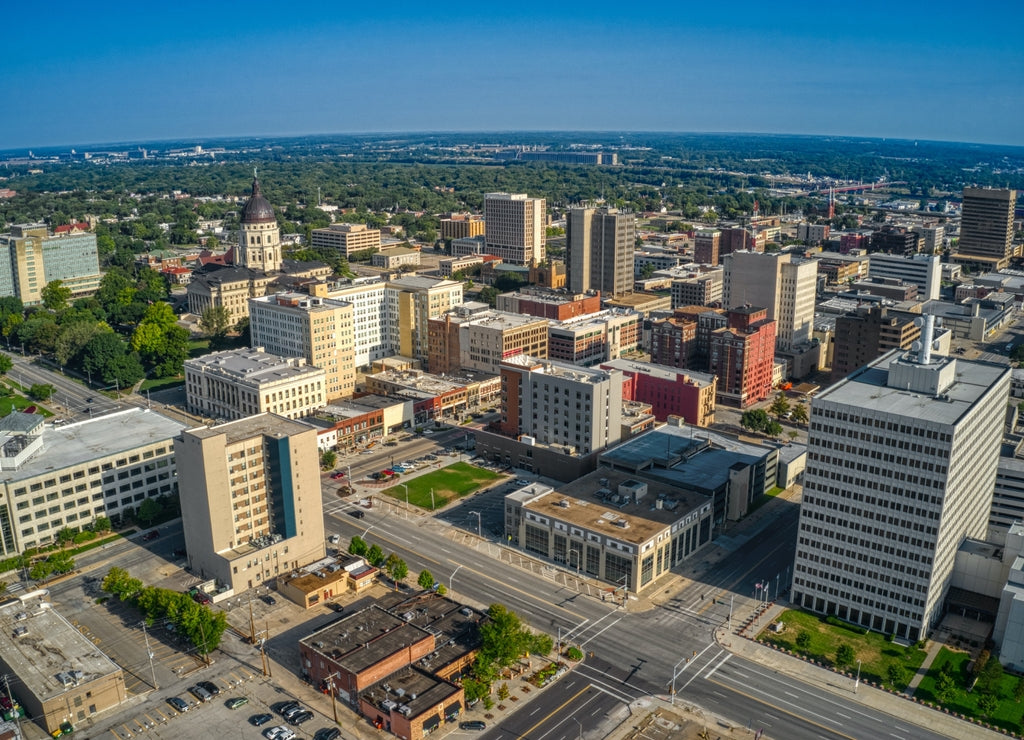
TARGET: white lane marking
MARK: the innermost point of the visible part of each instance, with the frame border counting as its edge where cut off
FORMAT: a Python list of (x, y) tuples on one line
[(718, 665)]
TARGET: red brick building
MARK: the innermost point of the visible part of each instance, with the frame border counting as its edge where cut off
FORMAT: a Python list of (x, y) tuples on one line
[(742, 355), (669, 391), (674, 341)]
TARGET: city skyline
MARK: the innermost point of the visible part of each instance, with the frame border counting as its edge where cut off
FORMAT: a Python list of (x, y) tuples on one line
[(893, 71)]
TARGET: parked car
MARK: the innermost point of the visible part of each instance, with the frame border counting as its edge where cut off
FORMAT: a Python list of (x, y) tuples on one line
[(278, 733), (200, 693), (260, 719), (400, 469), (268, 600), (238, 701), (300, 717), (335, 606), (334, 539), (284, 706), (337, 474), (178, 703), (327, 733), (151, 535), (202, 598), (210, 686), (293, 712), (356, 513), (473, 724)]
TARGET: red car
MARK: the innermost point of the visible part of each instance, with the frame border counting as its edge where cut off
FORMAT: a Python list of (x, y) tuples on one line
[(337, 474)]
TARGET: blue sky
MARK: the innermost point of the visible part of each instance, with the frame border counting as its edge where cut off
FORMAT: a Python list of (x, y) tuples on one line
[(74, 73)]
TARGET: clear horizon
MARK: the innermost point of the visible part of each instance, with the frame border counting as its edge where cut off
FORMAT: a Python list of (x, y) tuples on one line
[(911, 71)]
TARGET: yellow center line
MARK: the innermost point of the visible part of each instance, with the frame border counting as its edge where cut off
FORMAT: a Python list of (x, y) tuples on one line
[(548, 716)]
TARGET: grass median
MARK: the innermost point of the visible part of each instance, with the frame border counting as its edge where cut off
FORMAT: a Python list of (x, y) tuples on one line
[(448, 484)]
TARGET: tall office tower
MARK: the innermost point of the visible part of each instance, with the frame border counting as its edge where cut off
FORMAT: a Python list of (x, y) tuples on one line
[(410, 303), (514, 227), (259, 237), (742, 355), (556, 403), (986, 227), (321, 330), (30, 257), (901, 464), (784, 286), (250, 499), (345, 238), (923, 270), (706, 245), (600, 244)]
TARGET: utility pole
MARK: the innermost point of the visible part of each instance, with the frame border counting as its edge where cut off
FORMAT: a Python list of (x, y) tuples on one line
[(269, 671), (150, 654), (334, 704), (252, 624), (17, 715)]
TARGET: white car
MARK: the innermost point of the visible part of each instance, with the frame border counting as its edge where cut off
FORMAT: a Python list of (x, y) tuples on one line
[(334, 539), (408, 466), (278, 733)]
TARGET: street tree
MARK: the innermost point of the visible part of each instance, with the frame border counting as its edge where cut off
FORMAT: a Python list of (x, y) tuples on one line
[(844, 655), (41, 391), (426, 580), (780, 406), (396, 569), (357, 546), (988, 704), (149, 510), (375, 556), (328, 459), (6, 363), (799, 414)]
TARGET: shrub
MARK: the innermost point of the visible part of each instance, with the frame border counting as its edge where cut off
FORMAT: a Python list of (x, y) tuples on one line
[(574, 653), (803, 639)]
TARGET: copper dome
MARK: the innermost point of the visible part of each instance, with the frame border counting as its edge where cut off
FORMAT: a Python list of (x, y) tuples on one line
[(257, 208)]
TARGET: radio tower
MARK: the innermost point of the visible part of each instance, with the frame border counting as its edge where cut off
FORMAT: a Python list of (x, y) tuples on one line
[(831, 203)]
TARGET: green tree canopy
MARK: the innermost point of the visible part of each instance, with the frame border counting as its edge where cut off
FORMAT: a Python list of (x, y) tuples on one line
[(396, 568), (55, 295), (425, 580), (215, 320), (780, 406), (41, 391), (357, 546), (328, 459), (375, 556)]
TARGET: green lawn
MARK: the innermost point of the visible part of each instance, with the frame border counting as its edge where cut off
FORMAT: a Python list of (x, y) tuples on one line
[(14, 402), (450, 483), (873, 650), (159, 384), (1007, 715)]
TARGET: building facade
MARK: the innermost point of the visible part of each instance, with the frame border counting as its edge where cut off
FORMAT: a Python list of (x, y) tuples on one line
[(699, 289), (901, 464), (922, 270), (320, 330), (480, 340), (345, 238), (599, 250), (52, 477), (868, 334), (674, 342), (986, 227), (243, 382), (461, 226), (595, 338), (549, 304), (250, 499), (31, 257), (559, 404), (706, 244), (742, 355), (515, 227), (784, 286), (669, 391)]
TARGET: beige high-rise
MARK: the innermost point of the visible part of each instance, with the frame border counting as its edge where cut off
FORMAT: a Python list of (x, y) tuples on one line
[(514, 227), (600, 243), (319, 329), (250, 499), (786, 287)]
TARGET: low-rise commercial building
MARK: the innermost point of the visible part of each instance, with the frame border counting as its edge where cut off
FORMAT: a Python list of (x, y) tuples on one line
[(434, 397), (55, 477), (624, 530), (243, 382), (594, 338), (394, 258), (557, 305), (345, 424), (318, 583), (58, 673), (452, 265)]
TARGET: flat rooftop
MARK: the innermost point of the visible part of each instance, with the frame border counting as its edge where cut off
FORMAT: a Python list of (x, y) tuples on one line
[(365, 638), (413, 688), (253, 366), (49, 645), (419, 282), (455, 626), (235, 431), (596, 503), (74, 444), (659, 371), (496, 320), (868, 390), (689, 458)]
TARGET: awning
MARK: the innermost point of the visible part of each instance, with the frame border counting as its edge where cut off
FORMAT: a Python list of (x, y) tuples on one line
[(431, 723)]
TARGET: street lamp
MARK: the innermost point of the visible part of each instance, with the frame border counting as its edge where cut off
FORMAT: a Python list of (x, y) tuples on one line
[(477, 514), (856, 683), (672, 699), (451, 579)]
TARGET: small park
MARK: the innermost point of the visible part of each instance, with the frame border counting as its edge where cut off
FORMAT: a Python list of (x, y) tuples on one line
[(436, 489)]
